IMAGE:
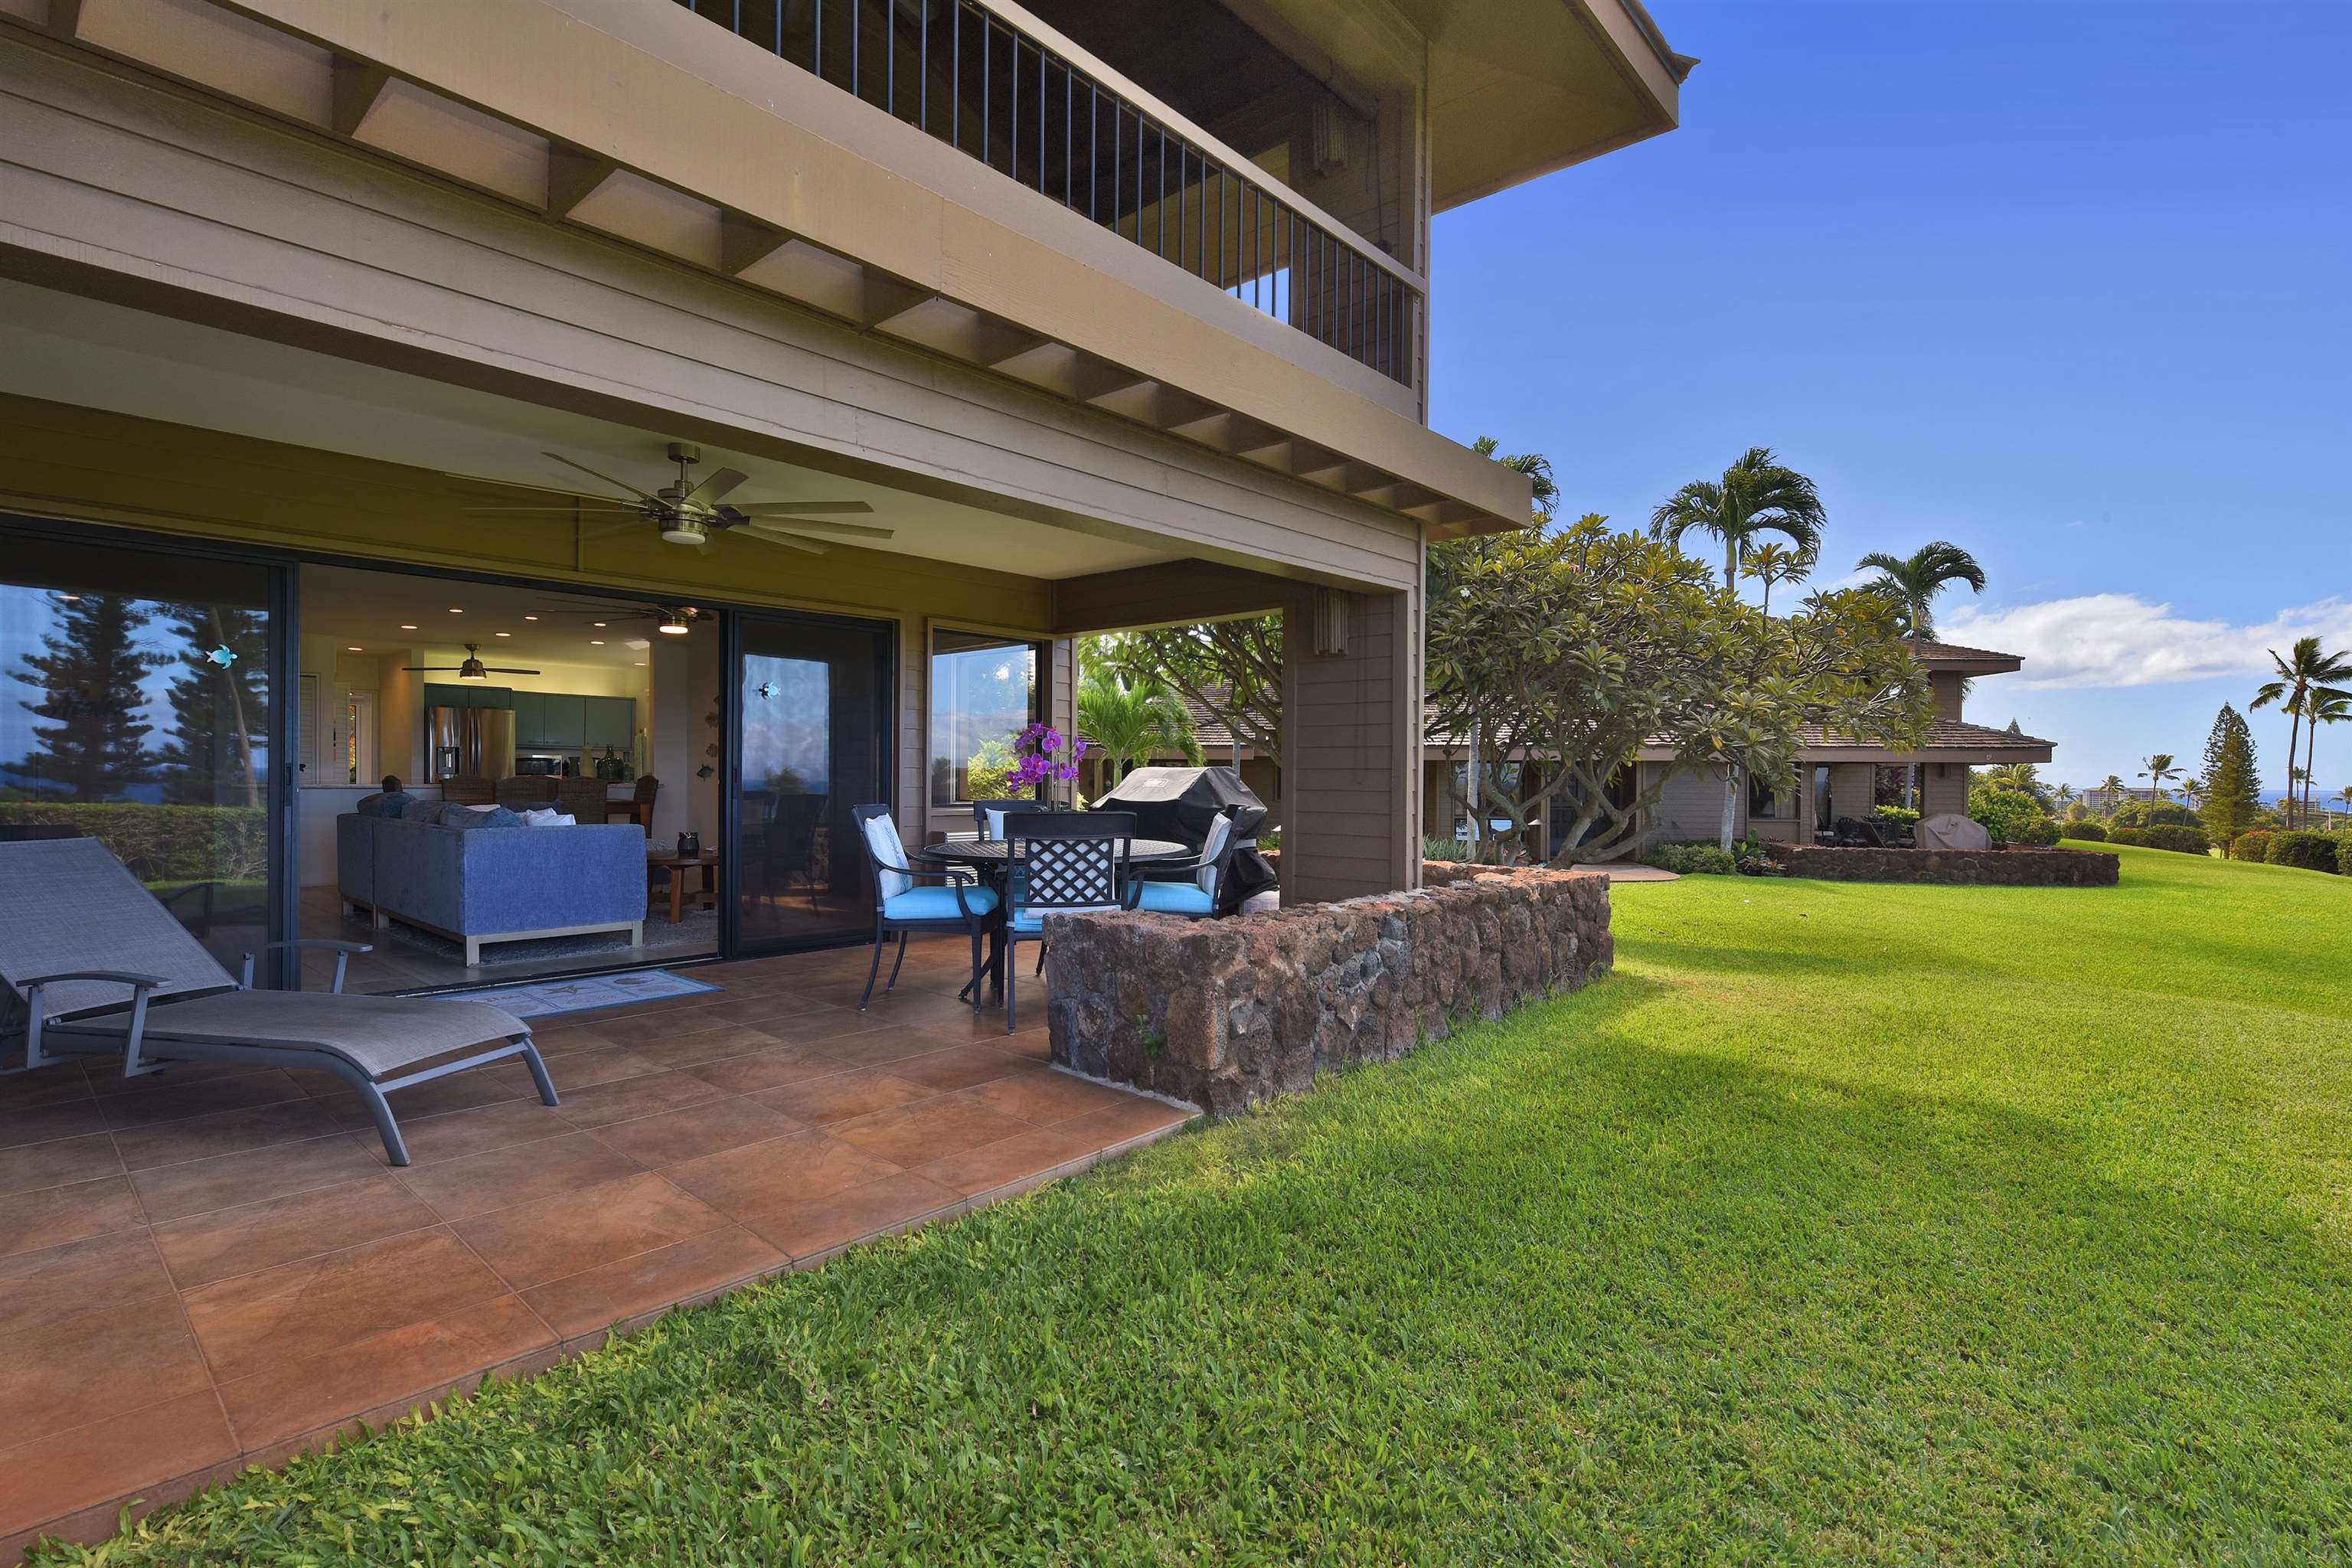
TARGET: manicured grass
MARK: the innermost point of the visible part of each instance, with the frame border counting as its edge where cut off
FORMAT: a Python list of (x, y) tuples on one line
[(1843, 1224)]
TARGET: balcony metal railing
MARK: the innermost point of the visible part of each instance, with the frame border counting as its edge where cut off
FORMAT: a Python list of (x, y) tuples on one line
[(965, 76)]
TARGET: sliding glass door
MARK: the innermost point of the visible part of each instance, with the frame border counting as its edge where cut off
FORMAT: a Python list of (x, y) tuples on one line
[(809, 741), (139, 693)]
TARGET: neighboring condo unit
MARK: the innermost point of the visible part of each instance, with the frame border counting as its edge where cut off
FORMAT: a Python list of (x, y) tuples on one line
[(739, 407)]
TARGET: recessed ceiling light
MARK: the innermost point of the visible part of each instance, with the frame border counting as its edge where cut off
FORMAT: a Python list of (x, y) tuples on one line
[(409, 626), (595, 642), (502, 634), (456, 611), (531, 617), (595, 623), (353, 648), (641, 664)]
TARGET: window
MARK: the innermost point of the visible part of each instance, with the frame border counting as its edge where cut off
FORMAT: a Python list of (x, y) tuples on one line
[(983, 694), (1895, 786), (1763, 800), (1824, 800)]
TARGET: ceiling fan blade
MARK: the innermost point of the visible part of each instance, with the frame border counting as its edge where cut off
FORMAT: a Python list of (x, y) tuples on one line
[(759, 530), (822, 525), (717, 485), (526, 484), (502, 670), (646, 495), (565, 511), (801, 508), (431, 669)]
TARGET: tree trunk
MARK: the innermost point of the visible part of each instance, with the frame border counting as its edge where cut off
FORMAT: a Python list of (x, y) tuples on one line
[(2293, 744), (1730, 804)]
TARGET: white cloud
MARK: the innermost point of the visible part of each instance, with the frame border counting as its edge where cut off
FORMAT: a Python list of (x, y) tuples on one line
[(2121, 639)]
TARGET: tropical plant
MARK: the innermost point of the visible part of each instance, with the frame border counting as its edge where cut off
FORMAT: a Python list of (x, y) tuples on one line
[(2343, 798), (2232, 778), (2325, 707), (2023, 777), (2305, 852), (1537, 469), (1757, 495), (2192, 791), (2011, 816), (2158, 770), (2113, 787), (1912, 582), (1127, 723), (1570, 651), (2085, 832), (2304, 673), (2064, 794), (2152, 813), (1773, 562), (2179, 839), (1231, 670)]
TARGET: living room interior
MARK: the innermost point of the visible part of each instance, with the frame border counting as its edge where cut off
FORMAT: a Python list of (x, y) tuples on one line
[(582, 733)]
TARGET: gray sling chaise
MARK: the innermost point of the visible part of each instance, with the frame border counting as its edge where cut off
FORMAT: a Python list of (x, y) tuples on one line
[(67, 906)]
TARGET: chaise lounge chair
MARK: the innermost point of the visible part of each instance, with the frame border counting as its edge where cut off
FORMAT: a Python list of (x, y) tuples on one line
[(66, 905)]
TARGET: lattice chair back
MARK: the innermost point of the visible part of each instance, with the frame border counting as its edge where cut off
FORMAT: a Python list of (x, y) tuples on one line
[(1067, 862)]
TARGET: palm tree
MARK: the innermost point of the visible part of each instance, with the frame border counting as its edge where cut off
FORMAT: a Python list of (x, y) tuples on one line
[(1913, 581), (2112, 786), (1757, 495), (2344, 796), (2325, 707), (2305, 671), (2156, 769), (1125, 724), (1773, 562), (2064, 794), (2192, 791)]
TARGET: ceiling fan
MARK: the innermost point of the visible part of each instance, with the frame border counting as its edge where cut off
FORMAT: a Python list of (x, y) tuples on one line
[(472, 670), (672, 620), (689, 513)]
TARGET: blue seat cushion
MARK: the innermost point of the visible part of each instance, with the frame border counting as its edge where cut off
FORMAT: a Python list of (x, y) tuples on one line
[(937, 903), (1174, 899)]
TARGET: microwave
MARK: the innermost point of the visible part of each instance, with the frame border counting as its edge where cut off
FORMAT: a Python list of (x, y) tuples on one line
[(543, 766)]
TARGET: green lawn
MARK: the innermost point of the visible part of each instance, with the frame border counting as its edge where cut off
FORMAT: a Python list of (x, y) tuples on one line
[(1843, 1224)]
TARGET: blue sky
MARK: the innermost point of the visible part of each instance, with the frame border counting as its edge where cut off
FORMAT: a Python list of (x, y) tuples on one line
[(2066, 281)]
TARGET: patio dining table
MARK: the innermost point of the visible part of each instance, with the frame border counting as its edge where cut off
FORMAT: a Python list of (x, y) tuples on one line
[(990, 857)]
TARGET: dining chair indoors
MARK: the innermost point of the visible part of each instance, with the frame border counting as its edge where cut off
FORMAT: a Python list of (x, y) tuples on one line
[(902, 907), (1059, 863)]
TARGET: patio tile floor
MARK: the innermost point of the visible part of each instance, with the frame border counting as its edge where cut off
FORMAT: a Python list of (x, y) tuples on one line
[(214, 1266)]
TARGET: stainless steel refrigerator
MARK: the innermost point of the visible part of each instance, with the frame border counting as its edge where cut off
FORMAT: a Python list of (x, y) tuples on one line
[(462, 742)]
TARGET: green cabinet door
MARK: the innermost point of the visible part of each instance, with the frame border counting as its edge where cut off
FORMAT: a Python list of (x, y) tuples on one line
[(562, 725), (442, 694), (611, 721), (530, 720), (490, 696)]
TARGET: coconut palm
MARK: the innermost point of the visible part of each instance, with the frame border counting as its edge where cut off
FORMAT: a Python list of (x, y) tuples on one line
[(1913, 581), (2343, 798), (1774, 563), (2324, 708), (2112, 786), (2305, 671), (1757, 495), (1125, 724), (2157, 770), (2192, 791)]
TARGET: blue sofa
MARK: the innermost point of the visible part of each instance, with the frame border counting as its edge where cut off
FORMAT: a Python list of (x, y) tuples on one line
[(494, 884)]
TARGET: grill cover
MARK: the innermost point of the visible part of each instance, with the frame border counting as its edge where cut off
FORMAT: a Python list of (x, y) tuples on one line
[(1178, 804)]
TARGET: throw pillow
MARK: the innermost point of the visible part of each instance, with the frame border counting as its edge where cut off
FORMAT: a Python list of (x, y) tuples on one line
[(385, 805), (546, 816)]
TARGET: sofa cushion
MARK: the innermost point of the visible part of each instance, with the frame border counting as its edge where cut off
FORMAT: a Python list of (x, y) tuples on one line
[(936, 904), (384, 805), (466, 818)]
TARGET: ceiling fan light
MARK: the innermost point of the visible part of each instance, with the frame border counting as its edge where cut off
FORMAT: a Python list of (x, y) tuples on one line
[(673, 626), (472, 670), (683, 530)]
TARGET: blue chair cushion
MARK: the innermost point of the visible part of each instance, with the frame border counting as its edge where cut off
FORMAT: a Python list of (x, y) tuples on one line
[(937, 903), (1175, 899)]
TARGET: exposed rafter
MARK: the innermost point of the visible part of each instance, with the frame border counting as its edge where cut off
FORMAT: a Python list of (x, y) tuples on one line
[(745, 242), (572, 176)]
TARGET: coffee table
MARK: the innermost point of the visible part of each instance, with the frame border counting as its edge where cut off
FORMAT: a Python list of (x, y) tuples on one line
[(677, 866)]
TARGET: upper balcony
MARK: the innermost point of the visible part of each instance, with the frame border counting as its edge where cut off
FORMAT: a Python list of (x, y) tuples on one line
[(966, 179)]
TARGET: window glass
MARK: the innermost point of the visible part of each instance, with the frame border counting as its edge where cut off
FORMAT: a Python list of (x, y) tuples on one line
[(983, 694), (1825, 807), (1763, 800)]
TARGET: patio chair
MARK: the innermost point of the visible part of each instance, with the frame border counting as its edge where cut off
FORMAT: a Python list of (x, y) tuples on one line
[(900, 905), (1187, 888), (65, 902), (1060, 862)]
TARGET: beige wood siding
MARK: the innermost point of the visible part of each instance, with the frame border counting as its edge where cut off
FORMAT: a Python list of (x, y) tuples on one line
[(1352, 793)]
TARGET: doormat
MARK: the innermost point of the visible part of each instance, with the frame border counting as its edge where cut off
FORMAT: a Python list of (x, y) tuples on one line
[(546, 997)]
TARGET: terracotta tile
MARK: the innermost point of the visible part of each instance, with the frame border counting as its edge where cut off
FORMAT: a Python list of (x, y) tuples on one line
[(792, 1169), (173, 1099), (781, 1004), (767, 1069), (199, 1186), (1044, 1096), (821, 1225), (923, 1009), (1029, 1044), (43, 1085), (815, 1029), (841, 1096), (929, 1129), (650, 1280), (415, 1360), (585, 1229), (491, 1085), (55, 1163), (694, 1131), (1016, 1159), (456, 1133), (255, 1321), (886, 1047), (562, 1040), (65, 1374), (60, 1282), (51, 1216), (584, 1069), (225, 1132), (1133, 1117), (711, 1045), (45, 1480), (636, 1097), (255, 1237), (41, 1123), (501, 1178), (105, 1075), (959, 1067)]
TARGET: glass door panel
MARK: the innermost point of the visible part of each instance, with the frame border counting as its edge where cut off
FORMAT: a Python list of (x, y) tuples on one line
[(136, 710), (812, 742)]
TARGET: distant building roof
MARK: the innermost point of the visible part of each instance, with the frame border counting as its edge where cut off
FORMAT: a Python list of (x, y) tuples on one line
[(1969, 660)]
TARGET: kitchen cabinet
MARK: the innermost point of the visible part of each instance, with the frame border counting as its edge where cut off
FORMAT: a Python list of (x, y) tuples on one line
[(530, 720), (562, 725), (610, 721), (465, 694)]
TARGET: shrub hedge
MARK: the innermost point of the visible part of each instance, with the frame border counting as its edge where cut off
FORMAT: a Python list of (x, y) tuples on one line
[(2087, 832), (1692, 861), (2308, 851), (2344, 854), (2179, 840), (162, 843), (2254, 845), (2152, 813)]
